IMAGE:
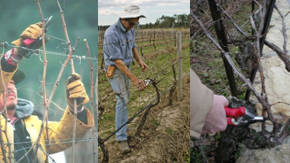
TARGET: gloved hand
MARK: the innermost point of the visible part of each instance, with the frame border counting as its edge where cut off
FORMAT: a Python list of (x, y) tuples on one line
[(75, 90), (216, 119), (33, 33)]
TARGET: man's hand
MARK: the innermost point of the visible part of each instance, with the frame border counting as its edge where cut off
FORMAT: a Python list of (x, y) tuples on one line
[(143, 65), (29, 37), (140, 84), (34, 31), (75, 90), (216, 119)]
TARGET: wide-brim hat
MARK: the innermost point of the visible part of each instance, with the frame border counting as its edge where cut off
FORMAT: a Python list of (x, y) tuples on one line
[(132, 11), (18, 76)]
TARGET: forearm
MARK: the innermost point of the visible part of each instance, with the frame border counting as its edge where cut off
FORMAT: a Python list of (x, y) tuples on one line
[(11, 58), (135, 55), (62, 130), (7, 63), (7, 70), (125, 70), (81, 115), (201, 101)]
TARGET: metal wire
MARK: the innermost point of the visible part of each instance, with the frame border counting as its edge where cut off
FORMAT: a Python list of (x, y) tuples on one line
[(36, 52)]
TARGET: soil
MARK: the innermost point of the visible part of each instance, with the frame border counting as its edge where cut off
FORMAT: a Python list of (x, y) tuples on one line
[(165, 135)]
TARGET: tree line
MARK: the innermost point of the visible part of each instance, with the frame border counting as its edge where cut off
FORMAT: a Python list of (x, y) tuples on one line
[(175, 21)]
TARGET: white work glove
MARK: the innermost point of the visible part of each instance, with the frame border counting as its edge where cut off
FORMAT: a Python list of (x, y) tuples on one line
[(216, 119)]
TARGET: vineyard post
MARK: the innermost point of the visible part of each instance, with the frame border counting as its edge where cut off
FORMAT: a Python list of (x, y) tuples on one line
[(141, 40), (154, 39), (172, 36), (179, 62), (138, 40), (175, 39)]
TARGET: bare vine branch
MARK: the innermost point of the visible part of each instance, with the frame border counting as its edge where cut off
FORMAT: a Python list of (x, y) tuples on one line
[(45, 118), (70, 51), (227, 56), (91, 72)]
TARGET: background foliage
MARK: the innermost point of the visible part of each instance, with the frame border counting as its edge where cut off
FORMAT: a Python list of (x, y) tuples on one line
[(175, 21)]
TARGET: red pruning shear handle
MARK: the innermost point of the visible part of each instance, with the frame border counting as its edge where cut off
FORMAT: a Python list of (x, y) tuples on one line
[(28, 41), (235, 112), (241, 116)]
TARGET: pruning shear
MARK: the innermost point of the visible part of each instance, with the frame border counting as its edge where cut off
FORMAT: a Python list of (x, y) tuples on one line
[(28, 41), (241, 116), (147, 82)]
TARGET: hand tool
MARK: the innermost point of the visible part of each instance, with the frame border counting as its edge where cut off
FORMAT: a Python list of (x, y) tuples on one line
[(28, 41), (147, 82), (241, 116)]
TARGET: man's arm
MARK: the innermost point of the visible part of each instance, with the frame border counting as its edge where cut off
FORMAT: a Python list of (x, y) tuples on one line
[(139, 60), (7, 71), (135, 54), (207, 114), (60, 133), (112, 50), (75, 91), (13, 56), (201, 101), (140, 84)]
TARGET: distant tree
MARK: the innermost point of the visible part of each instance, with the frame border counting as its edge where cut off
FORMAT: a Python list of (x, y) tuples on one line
[(165, 21), (181, 20)]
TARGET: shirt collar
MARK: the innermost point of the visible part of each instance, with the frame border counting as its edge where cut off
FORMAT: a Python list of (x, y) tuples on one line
[(120, 25)]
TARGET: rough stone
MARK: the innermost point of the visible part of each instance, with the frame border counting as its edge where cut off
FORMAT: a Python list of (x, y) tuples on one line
[(274, 35), (278, 154), (277, 85), (278, 90), (276, 76)]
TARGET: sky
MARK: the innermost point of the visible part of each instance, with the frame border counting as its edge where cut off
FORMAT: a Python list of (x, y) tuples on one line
[(152, 9)]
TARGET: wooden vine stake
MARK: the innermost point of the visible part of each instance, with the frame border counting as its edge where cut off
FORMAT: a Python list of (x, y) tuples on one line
[(179, 64)]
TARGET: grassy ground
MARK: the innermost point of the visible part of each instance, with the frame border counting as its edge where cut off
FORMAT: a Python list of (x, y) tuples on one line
[(159, 68), (164, 137)]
